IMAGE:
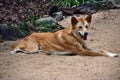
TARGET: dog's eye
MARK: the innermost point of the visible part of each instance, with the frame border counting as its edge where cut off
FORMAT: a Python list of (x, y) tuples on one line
[(80, 27), (86, 26)]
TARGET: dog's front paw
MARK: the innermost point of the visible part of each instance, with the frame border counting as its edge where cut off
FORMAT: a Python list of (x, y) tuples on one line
[(112, 55)]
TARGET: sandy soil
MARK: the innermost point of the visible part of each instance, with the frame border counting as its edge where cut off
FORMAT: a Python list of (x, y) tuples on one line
[(104, 33)]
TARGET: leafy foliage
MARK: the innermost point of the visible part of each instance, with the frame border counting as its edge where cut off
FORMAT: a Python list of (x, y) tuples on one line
[(71, 3), (74, 3), (44, 26), (23, 27), (66, 3), (49, 27)]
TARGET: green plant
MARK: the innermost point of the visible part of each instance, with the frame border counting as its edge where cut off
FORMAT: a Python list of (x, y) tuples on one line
[(23, 28), (49, 27), (44, 26), (18, 30), (31, 19), (88, 1), (70, 3), (66, 3)]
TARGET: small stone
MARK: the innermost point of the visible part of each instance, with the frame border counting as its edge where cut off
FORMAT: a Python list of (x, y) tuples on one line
[(91, 40)]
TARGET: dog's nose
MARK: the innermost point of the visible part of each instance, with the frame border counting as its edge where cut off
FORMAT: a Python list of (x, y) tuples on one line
[(86, 33)]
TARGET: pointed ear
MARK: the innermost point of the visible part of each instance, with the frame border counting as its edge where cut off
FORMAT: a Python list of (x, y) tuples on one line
[(74, 20), (89, 18)]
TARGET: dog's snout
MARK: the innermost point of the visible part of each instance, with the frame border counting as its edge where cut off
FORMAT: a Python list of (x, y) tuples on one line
[(86, 33)]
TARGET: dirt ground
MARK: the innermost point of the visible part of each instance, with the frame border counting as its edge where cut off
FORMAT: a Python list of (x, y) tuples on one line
[(104, 33)]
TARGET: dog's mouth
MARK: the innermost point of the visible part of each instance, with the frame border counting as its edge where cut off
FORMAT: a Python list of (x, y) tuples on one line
[(83, 36)]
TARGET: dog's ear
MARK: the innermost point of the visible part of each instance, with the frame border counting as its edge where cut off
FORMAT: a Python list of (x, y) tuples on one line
[(74, 20), (89, 18)]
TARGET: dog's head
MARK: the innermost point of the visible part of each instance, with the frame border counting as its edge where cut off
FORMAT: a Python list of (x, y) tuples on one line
[(80, 26)]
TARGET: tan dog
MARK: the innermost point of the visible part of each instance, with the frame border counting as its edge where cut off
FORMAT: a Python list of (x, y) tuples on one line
[(68, 40)]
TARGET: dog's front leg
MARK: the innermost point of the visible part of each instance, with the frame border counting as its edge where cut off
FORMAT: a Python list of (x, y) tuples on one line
[(98, 53), (85, 46), (84, 50)]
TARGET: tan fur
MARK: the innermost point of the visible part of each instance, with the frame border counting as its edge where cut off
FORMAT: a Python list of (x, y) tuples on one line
[(66, 40)]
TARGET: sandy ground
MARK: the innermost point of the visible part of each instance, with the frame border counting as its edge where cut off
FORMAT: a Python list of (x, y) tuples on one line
[(104, 33)]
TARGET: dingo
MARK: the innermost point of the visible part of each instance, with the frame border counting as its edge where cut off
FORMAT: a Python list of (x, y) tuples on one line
[(68, 40)]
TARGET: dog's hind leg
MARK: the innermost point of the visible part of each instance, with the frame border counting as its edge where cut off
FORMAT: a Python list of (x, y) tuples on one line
[(16, 50), (31, 49), (28, 49)]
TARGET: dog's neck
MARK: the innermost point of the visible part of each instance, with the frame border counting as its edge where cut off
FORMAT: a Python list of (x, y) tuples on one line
[(70, 31)]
